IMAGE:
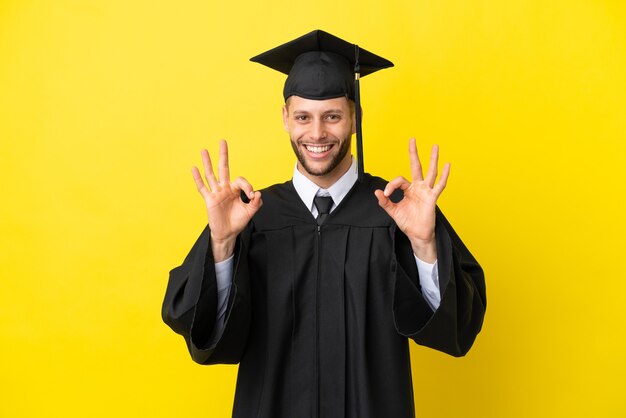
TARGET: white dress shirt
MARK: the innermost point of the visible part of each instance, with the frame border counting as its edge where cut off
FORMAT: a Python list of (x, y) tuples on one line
[(307, 190)]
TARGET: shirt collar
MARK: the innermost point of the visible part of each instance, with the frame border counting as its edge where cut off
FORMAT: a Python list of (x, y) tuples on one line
[(307, 190)]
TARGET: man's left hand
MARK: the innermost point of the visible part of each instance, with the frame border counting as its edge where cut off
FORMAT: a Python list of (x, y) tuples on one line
[(415, 213)]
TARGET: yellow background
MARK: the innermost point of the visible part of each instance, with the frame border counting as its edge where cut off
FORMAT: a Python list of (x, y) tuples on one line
[(104, 106)]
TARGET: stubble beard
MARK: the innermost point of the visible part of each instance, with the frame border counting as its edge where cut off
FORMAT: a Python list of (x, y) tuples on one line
[(334, 162)]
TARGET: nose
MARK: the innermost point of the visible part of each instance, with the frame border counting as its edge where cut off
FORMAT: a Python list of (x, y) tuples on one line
[(318, 130)]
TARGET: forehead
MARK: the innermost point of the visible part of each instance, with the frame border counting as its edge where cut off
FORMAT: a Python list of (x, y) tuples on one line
[(300, 104)]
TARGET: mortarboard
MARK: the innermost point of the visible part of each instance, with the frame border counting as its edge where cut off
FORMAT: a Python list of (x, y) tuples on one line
[(321, 66)]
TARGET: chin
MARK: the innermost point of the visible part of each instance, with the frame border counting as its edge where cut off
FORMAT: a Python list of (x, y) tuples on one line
[(316, 170)]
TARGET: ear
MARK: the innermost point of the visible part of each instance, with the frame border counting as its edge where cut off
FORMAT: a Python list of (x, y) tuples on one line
[(354, 121), (285, 117)]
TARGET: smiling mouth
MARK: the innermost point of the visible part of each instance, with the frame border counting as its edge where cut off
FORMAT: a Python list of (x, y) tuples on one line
[(318, 149)]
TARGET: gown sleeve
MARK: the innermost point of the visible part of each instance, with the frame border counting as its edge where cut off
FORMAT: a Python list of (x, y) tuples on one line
[(190, 304), (452, 328)]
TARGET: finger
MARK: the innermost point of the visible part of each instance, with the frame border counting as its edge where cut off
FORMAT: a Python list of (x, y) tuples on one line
[(416, 166), (398, 182), (223, 170), (208, 170), (241, 183), (199, 182), (443, 180), (384, 201), (432, 168)]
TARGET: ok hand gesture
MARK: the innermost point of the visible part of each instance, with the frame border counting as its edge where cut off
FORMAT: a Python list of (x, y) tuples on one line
[(415, 214), (228, 214)]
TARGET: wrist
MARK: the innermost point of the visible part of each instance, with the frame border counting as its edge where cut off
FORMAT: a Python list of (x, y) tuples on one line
[(222, 249), (425, 250)]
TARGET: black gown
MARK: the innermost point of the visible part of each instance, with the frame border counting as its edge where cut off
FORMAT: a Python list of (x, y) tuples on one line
[(319, 318)]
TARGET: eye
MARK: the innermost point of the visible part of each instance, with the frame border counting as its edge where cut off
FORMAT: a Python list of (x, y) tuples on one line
[(333, 117), (301, 118)]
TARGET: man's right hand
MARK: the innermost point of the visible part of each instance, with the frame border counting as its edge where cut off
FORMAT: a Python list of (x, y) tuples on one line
[(228, 214)]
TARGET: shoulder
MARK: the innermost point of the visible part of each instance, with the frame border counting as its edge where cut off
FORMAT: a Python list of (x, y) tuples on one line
[(282, 207), (374, 183), (277, 193)]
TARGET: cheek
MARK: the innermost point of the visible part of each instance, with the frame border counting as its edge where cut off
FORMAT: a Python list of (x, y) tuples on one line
[(295, 131), (296, 127), (343, 130)]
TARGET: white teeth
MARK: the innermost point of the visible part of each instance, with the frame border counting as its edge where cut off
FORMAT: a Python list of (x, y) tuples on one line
[(317, 149)]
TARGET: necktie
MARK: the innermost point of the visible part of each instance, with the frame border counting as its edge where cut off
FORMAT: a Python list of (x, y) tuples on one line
[(323, 205)]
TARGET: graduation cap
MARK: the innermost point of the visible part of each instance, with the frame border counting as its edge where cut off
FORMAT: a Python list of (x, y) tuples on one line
[(321, 66)]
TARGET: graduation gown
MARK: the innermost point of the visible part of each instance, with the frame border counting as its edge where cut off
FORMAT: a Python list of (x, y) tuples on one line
[(319, 318)]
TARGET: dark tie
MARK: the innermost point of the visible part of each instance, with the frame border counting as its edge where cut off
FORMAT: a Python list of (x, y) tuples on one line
[(323, 205)]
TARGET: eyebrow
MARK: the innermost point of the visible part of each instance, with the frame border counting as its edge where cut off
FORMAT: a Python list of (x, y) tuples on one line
[(333, 111)]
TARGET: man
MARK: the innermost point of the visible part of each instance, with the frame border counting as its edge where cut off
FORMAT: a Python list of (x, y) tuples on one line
[(314, 285)]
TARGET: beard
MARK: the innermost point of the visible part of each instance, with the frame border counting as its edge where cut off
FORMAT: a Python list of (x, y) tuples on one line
[(344, 148)]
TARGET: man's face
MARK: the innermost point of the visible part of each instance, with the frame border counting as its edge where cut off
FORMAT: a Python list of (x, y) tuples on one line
[(320, 133)]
